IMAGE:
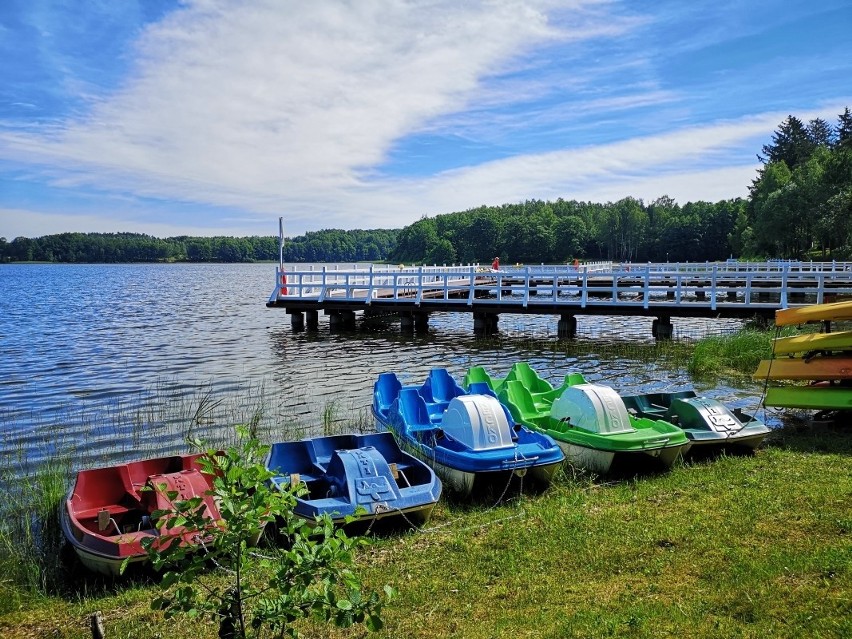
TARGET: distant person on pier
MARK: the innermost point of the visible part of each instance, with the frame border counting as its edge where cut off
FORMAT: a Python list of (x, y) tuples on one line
[(495, 265)]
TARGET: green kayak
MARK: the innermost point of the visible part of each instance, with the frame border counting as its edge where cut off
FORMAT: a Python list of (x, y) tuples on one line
[(589, 421)]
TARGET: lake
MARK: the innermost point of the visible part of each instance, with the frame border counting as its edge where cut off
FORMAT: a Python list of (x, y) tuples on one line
[(102, 361)]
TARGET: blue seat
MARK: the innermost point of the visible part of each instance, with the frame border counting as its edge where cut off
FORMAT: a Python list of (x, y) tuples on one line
[(413, 409), (386, 390), (441, 387)]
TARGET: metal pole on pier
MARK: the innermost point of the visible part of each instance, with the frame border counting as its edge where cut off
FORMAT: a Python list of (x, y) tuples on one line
[(281, 243)]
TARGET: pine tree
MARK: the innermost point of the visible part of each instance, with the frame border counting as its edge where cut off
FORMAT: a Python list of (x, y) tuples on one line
[(820, 133), (791, 144), (844, 129)]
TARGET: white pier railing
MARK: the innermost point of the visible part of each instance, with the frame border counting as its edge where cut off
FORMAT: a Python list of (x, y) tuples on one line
[(708, 285)]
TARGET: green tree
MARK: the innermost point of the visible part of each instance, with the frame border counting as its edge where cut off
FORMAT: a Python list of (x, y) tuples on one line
[(570, 235), (790, 144), (844, 129)]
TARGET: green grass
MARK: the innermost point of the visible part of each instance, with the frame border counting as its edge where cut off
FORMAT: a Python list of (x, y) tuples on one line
[(730, 547), (738, 353)]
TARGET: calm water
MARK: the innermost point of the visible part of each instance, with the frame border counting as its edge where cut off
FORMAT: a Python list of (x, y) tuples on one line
[(101, 361)]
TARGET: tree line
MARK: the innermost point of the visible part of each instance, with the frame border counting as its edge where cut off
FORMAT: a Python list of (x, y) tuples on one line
[(331, 245), (799, 206)]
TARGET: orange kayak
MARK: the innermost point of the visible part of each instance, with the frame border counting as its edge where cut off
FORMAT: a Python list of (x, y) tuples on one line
[(819, 368)]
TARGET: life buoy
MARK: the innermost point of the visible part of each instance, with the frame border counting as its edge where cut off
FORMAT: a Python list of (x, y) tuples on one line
[(283, 284)]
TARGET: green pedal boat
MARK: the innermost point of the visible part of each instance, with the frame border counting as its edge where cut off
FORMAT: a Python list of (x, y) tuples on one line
[(589, 421)]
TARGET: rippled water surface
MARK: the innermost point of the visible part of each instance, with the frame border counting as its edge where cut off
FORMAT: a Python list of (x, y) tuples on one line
[(108, 360)]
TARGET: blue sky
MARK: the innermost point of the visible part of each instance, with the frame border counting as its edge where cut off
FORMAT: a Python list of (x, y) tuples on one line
[(215, 117)]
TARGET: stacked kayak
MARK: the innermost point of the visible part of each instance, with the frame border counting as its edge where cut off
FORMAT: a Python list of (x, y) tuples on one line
[(824, 360), (110, 510), (363, 477), (590, 422), (468, 438)]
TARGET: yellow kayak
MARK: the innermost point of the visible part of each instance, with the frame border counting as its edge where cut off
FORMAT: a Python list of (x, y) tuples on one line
[(818, 368), (815, 313), (841, 341)]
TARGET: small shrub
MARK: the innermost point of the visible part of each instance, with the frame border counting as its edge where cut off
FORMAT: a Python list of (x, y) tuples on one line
[(263, 589)]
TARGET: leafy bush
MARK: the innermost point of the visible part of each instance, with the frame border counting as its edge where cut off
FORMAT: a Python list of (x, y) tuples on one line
[(252, 590)]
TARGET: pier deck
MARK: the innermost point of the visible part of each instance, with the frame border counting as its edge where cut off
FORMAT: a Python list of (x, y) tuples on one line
[(728, 289)]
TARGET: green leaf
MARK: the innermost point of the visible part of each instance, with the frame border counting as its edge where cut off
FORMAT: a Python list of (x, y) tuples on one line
[(344, 604), (374, 623)]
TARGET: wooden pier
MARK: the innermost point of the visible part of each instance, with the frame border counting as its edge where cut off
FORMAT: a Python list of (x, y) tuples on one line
[(723, 289)]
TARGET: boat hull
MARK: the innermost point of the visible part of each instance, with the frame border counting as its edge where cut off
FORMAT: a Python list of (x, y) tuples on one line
[(834, 312), (817, 397), (603, 462), (100, 562), (465, 483), (817, 368), (839, 341)]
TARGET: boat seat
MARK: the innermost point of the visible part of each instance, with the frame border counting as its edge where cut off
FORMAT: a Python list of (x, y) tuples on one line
[(100, 488), (481, 388), (386, 390), (441, 386), (524, 373), (413, 408), (520, 402), (478, 375)]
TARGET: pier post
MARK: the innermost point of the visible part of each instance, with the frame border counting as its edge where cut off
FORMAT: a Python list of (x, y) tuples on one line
[(312, 320), (341, 320), (421, 322), (297, 320), (567, 326), (700, 293), (406, 322), (732, 296), (485, 323), (335, 322), (662, 328)]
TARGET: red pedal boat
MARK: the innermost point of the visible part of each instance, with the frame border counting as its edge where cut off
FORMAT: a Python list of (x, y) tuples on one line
[(107, 513)]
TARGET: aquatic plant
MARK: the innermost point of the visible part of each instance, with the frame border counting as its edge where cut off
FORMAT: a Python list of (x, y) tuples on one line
[(739, 353)]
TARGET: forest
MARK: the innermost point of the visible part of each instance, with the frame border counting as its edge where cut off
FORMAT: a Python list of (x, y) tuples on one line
[(320, 246), (799, 207)]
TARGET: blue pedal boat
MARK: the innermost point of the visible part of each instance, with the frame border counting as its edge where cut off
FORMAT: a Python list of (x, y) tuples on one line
[(468, 437), (367, 477)]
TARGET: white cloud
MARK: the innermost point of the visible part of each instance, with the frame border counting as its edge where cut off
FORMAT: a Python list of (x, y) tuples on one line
[(252, 105), (279, 107), (33, 223)]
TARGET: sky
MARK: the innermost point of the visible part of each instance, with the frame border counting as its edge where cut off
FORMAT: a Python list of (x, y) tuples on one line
[(217, 117)]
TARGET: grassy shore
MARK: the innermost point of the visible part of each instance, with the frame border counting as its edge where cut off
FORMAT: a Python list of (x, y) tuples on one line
[(729, 547)]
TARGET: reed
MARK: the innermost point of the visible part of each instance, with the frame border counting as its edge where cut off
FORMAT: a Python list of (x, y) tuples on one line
[(35, 474), (30, 537), (737, 354)]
